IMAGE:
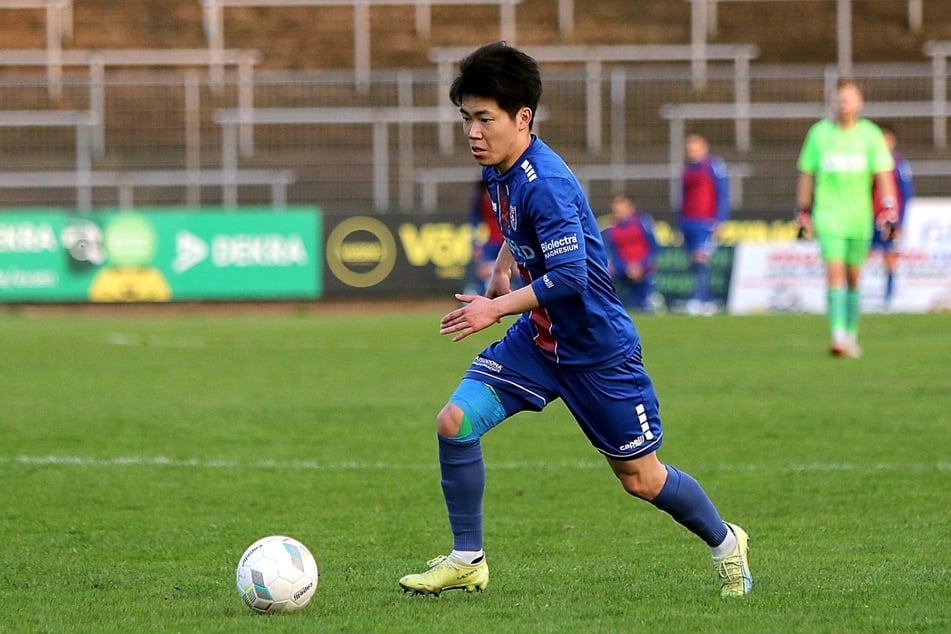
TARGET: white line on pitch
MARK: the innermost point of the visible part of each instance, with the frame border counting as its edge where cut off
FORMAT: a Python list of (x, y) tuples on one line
[(314, 465), (153, 341)]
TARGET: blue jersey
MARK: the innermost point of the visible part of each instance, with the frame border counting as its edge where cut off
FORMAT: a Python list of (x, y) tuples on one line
[(547, 223)]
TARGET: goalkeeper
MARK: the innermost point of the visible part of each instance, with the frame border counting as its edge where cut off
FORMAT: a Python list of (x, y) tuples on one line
[(838, 162)]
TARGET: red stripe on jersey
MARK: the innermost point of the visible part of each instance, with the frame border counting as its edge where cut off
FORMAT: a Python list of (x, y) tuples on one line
[(539, 317)]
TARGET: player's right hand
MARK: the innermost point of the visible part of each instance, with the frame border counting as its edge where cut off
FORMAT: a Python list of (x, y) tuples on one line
[(804, 220), (475, 314)]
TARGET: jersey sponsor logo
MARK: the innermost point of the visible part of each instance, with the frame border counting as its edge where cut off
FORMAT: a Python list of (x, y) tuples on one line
[(564, 244), (855, 163)]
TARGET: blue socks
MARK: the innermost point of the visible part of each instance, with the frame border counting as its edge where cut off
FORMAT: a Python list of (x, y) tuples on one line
[(463, 485), (685, 500), (701, 281)]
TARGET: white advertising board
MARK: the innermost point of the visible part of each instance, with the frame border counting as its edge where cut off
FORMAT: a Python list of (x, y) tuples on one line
[(790, 277)]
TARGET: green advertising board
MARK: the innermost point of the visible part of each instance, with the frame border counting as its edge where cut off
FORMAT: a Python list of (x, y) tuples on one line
[(160, 254)]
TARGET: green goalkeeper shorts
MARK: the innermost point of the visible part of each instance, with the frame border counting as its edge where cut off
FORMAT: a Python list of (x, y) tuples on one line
[(852, 251)]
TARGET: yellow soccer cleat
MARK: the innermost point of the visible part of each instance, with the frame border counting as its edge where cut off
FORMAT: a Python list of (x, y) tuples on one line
[(734, 568), (446, 573)]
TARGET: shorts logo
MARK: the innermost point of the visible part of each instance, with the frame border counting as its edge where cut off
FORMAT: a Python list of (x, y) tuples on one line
[(634, 444), (488, 364), (645, 428)]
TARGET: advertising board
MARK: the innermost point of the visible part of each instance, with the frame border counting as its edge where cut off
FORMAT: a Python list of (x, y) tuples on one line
[(160, 255)]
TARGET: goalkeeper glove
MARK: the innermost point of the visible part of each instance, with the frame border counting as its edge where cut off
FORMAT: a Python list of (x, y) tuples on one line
[(804, 220), (890, 217)]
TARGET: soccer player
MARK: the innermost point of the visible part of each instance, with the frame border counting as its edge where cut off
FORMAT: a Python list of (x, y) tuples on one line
[(631, 248), (574, 340), (837, 164), (704, 204), (886, 232)]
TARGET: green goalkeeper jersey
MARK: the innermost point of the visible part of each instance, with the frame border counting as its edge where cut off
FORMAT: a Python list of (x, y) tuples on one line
[(843, 163)]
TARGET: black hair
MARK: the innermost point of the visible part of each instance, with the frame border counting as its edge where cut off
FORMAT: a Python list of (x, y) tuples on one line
[(501, 72)]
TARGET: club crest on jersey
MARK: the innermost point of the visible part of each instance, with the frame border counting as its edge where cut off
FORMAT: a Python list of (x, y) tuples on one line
[(513, 218)]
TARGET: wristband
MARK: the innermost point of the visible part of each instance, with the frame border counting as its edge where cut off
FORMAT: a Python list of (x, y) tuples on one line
[(889, 202)]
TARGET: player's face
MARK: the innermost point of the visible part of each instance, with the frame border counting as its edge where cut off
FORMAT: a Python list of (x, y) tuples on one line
[(622, 208), (495, 138), (848, 103), (696, 149)]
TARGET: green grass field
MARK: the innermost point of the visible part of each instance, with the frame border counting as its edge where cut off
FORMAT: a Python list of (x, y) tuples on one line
[(141, 454)]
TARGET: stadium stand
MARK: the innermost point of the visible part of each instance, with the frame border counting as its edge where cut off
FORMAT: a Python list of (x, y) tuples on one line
[(741, 114), (604, 109), (125, 182), (594, 57), (939, 51), (80, 121), (214, 22), (98, 61), (59, 26)]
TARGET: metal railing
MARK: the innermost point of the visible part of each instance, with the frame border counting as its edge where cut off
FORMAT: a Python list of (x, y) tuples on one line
[(382, 151), (59, 25), (214, 22), (703, 22)]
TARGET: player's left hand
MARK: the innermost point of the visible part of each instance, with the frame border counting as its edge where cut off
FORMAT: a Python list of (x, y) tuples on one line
[(476, 313), (804, 221)]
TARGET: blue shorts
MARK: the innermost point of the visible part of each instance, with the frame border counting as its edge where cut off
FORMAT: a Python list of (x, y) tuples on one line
[(616, 407), (881, 243), (698, 237)]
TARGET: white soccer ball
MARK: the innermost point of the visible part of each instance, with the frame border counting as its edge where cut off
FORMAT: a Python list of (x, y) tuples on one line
[(276, 574)]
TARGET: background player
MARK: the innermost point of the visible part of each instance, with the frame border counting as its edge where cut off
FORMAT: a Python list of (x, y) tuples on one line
[(704, 204), (574, 340), (486, 240), (837, 164), (886, 232), (631, 248)]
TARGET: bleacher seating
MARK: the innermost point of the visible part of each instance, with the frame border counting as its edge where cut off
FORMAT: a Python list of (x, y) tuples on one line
[(704, 23), (214, 22), (594, 57), (189, 182), (59, 26), (616, 101)]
